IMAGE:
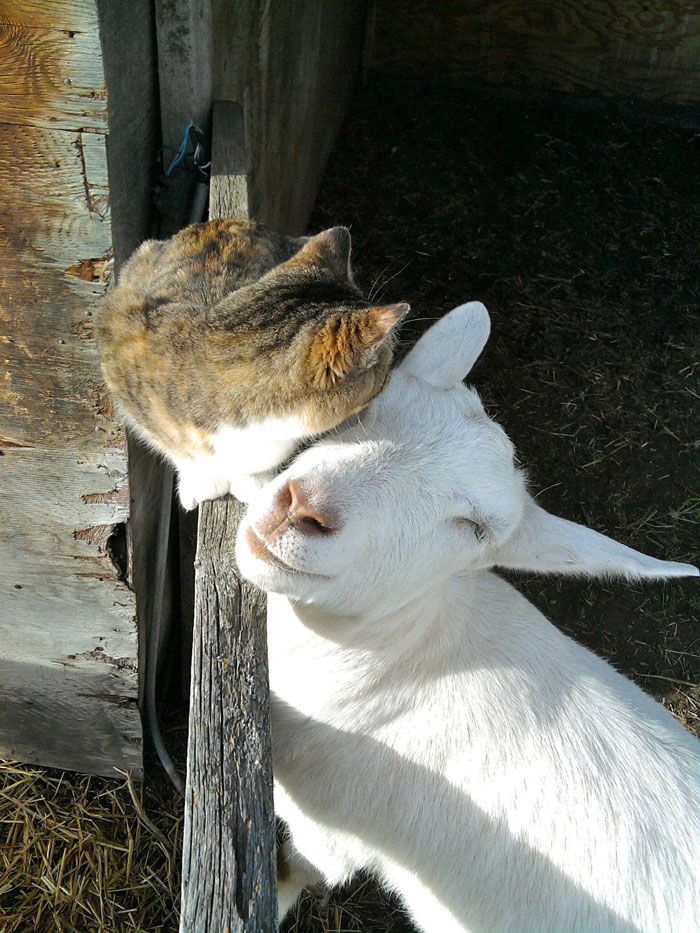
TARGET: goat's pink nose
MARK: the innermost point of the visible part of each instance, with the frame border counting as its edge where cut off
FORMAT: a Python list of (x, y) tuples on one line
[(293, 508)]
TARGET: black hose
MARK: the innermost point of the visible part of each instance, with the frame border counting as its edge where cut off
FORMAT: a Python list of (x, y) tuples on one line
[(158, 628), (157, 633)]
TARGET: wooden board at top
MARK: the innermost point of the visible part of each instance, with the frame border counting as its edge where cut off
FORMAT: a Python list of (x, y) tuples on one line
[(622, 48), (293, 66)]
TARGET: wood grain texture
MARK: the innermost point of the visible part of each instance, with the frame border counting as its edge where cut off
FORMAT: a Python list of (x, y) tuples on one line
[(69, 15), (228, 850), (52, 219), (68, 639), (127, 34), (185, 61), (38, 721), (229, 194), (294, 66), (52, 77), (228, 868), (621, 48), (55, 212), (68, 653)]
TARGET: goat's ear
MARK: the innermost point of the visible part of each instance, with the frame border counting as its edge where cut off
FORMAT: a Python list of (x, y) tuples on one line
[(445, 354), (543, 543)]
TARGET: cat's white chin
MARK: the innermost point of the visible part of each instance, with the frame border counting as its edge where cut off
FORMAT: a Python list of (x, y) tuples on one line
[(198, 483)]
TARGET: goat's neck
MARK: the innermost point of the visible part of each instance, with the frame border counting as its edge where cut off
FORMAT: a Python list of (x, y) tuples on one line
[(389, 634)]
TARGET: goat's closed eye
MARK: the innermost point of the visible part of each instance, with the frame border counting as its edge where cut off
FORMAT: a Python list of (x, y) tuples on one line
[(477, 528)]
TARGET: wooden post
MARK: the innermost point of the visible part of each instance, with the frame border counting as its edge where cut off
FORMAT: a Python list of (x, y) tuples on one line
[(229, 875)]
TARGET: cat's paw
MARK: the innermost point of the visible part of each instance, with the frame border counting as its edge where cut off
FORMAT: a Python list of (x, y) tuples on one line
[(246, 485), (195, 489)]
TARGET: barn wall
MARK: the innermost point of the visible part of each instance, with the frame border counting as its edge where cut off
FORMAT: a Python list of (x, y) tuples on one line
[(292, 66), (68, 634), (623, 48)]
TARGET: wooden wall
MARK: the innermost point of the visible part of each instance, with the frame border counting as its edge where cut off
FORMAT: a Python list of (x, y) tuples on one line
[(641, 49), (68, 634), (292, 65)]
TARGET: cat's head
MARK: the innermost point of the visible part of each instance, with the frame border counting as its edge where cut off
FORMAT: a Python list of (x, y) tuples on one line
[(329, 350)]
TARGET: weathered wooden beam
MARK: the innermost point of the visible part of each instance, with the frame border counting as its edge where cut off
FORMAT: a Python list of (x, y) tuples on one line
[(617, 48), (228, 870), (185, 57), (295, 65), (77, 144)]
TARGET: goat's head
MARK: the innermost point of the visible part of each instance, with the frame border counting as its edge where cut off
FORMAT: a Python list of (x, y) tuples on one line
[(422, 485)]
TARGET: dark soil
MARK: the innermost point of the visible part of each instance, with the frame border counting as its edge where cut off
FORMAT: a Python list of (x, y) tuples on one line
[(579, 233)]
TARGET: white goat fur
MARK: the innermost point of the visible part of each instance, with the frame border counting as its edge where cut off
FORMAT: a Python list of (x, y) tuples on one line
[(429, 724)]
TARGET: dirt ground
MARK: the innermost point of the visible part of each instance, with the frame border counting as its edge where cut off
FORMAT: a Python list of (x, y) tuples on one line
[(578, 232)]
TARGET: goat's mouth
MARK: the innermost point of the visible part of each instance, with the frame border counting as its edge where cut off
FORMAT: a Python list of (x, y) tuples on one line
[(259, 549)]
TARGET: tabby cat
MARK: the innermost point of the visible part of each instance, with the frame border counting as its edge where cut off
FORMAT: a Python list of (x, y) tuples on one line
[(228, 344)]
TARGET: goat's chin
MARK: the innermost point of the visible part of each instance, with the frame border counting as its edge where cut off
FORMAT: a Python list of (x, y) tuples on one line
[(297, 586), (275, 577)]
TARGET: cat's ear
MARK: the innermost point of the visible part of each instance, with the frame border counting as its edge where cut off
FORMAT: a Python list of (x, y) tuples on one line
[(350, 342), (328, 251)]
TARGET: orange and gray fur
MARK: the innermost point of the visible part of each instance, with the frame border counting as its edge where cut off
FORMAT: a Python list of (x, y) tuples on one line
[(228, 344)]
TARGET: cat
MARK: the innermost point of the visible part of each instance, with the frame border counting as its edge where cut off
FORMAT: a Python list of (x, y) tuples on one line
[(227, 345)]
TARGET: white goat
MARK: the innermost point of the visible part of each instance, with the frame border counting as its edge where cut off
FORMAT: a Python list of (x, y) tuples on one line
[(429, 724)]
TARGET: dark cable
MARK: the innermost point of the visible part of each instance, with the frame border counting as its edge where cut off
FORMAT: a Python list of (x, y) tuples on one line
[(156, 631), (158, 628)]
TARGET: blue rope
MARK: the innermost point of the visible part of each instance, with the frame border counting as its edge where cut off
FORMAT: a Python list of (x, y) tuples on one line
[(183, 150)]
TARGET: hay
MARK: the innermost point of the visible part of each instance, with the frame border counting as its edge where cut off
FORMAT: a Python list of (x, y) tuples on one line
[(80, 854)]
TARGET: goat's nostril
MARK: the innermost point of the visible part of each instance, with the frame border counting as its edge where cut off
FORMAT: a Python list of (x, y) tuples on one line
[(304, 515), (309, 524)]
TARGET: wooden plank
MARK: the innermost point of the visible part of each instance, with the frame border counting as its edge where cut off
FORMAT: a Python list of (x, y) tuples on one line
[(79, 713), (52, 78), (228, 870), (263, 49), (69, 15), (51, 391), (127, 32), (647, 51), (229, 161), (67, 627), (185, 57), (68, 640), (59, 221), (67, 618)]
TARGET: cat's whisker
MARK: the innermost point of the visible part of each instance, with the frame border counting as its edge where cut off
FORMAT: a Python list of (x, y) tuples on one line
[(391, 277), (374, 284)]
